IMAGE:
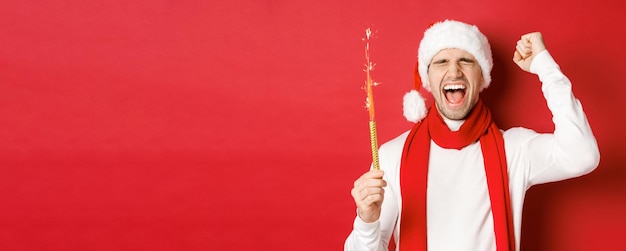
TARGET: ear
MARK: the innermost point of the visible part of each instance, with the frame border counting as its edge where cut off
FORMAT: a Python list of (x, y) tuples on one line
[(483, 83)]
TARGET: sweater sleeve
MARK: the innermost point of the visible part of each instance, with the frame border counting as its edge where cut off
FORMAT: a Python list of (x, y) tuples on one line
[(364, 236), (572, 149)]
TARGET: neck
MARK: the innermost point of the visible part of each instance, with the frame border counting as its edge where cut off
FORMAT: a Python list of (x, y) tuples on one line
[(454, 125)]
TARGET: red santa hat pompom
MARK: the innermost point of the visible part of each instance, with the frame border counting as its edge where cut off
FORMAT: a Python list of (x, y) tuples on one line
[(444, 35)]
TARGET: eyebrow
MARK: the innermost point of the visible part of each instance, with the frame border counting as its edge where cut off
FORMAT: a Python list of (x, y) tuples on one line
[(467, 60), (445, 60)]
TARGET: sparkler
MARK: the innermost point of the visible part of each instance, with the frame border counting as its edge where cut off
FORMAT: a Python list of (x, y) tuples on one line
[(369, 102)]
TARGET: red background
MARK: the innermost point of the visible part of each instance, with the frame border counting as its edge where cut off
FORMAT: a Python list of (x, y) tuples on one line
[(239, 125)]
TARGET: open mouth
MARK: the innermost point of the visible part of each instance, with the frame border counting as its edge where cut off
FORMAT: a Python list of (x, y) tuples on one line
[(455, 94)]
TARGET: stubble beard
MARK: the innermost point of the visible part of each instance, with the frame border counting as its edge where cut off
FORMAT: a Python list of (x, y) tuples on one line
[(455, 114)]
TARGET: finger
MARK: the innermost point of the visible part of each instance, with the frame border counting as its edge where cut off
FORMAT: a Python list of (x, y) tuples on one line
[(366, 196), (375, 173), (359, 195), (533, 37), (368, 186), (369, 191), (523, 48), (528, 38), (365, 182), (373, 182), (371, 195), (373, 199)]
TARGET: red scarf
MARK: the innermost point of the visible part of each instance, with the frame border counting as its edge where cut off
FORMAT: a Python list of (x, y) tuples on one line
[(414, 174)]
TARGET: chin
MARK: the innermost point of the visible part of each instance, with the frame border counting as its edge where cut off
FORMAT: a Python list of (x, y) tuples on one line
[(457, 117), (455, 114)]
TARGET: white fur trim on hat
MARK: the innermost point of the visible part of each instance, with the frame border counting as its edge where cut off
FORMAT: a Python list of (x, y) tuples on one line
[(414, 106), (454, 34)]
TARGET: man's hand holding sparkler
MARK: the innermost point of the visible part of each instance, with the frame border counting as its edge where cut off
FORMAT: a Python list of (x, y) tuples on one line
[(368, 194)]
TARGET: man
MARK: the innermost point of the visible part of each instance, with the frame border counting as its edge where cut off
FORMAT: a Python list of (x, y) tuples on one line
[(456, 181)]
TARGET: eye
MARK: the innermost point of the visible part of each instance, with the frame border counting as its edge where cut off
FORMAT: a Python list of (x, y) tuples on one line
[(467, 61), (440, 62)]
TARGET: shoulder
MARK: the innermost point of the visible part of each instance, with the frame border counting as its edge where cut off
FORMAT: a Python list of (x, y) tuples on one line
[(394, 145), (390, 152), (517, 139), (517, 134), (390, 156)]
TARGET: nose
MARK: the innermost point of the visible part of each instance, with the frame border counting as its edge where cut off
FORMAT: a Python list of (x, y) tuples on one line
[(454, 70)]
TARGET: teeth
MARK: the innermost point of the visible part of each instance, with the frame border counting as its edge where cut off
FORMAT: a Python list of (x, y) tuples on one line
[(453, 87)]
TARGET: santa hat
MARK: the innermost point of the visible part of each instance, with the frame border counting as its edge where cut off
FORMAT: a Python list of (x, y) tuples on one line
[(444, 35)]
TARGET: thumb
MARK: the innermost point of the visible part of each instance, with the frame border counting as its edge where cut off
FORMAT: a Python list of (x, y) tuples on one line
[(517, 57)]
